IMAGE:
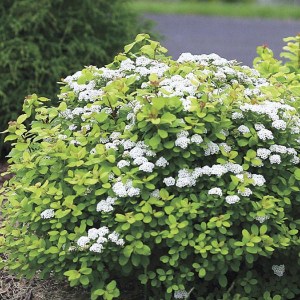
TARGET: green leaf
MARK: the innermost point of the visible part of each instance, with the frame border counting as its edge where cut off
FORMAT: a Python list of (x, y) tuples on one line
[(297, 174), (84, 280), (162, 133), (222, 280)]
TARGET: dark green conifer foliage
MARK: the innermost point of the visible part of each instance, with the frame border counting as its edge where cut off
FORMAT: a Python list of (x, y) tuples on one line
[(43, 41)]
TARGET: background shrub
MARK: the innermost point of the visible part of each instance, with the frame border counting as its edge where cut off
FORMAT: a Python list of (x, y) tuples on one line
[(43, 41), (182, 176)]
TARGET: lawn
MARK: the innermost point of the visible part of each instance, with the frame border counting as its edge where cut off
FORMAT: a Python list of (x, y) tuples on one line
[(216, 9)]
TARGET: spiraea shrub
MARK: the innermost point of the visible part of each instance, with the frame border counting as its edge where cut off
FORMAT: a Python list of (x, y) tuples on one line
[(42, 41), (179, 179)]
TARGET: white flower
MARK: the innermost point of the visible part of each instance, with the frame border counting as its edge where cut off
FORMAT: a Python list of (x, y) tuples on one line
[(237, 115), (279, 124), (106, 205), (234, 168), (182, 142), (140, 160), (181, 294), (47, 213), (161, 162), (74, 142), (147, 167), (265, 134), (275, 159), (93, 233), (136, 152), (119, 189), (215, 191), (246, 193), (279, 149), (103, 231), (168, 181), (83, 241), (212, 148), (259, 126), (114, 237), (197, 139), (123, 163), (243, 129), (262, 219), (225, 147), (232, 199), (96, 248), (259, 180), (263, 153), (132, 191), (278, 270), (128, 144), (155, 194)]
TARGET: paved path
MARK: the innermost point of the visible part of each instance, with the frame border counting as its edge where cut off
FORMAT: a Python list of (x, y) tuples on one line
[(231, 38)]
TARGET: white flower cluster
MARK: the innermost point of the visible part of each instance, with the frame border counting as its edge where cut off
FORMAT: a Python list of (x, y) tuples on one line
[(181, 294), (212, 148), (197, 139), (182, 140), (185, 178), (183, 87), (232, 199), (155, 194), (124, 190), (279, 124), (225, 147), (243, 129), (265, 134), (97, 238), (80, 111), (123, 163), (237, 115), (162, 162), (278, 270), (47, 213), (169, 181), (215, 191), (258, 180), (268, 108), (275, 159), (147, 167), (245, 193), (106, 205), (205, 59), (262, 219), (263, 153)]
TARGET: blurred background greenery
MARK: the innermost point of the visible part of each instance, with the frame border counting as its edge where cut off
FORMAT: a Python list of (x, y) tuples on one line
[(46, 40)]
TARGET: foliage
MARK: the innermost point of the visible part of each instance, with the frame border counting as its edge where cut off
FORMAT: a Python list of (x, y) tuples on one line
[(42, 41), (181, 176), (285, 76)]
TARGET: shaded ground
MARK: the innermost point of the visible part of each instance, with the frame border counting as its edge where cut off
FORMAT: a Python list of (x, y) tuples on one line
[(231, 38)]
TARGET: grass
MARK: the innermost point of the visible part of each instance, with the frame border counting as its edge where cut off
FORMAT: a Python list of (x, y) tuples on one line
[(248, 10)]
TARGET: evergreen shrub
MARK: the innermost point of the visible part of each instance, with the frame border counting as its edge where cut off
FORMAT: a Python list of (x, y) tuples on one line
[(178, 176), (42, 41)]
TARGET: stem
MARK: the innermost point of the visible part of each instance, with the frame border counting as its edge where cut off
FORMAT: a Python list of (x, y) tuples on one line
[(189, 293)]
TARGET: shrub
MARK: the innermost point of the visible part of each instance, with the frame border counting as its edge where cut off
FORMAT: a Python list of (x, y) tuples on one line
[(181, 176), (284, 76), (42, 41)]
